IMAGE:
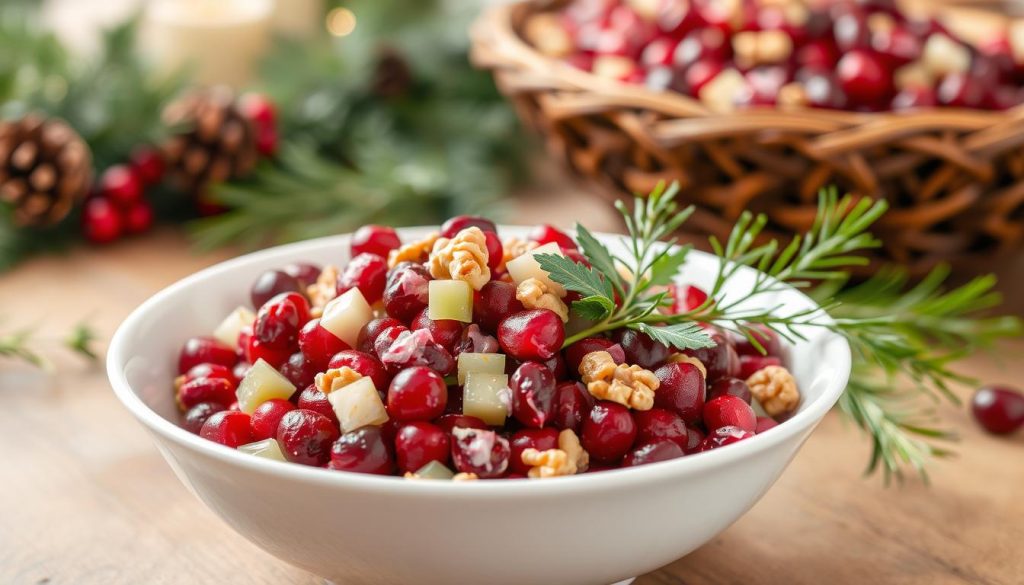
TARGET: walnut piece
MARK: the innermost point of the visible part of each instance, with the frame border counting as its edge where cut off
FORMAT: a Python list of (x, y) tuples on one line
[(417, 251), (513, 248), (630, 386), (534, 294), (336, 378), (682, 358), (465, 477), (775, 388), (463, 257), (323, 290), (568, 459)]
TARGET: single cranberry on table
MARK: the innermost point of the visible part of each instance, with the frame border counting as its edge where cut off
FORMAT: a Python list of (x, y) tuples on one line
[(998, 409), (374, 239), (533, 394), (218, 390), (196, 416), (682, 390), (419, 443), (368, 273), (659, 424), (729, 411), (653, 452), (730, 387), (362, 451), (306, 437), (417, 394), (270, 284), (227, 427), (365, 364), (406, 291), (204, 350), (313, 399), (453, 226), (446, 332), (492, 303), (535, 334), (723, 436), (101, 221), (299, 370), (318, 344), (608, 432), (484, 453), (267, 417), (450, 421), (523, 439)]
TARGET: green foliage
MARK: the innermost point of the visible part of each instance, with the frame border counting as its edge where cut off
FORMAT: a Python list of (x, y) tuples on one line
[(18, 345)]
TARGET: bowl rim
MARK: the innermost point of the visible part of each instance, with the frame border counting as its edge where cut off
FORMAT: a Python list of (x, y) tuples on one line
[(118, 355)]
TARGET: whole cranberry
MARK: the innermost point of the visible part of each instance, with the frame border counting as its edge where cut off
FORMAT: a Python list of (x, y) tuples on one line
[(484, 453), (101, 221), (768, 339), (374, 239), (196, 416), (608, 432), (138, 217), (306, 436), (279, 320), (822, 90), (850, 29), (723, 436), (365, 364), (147, 165), (730, 387), (557, 366), (299, 370), (749, 364), (406, 291), (695, 437), (368, 334), (533, 394), (914, 97), (523, 439), (218, 390), (658, 424), (227, 427), (897, 44), (546, 233), (204, 350), (535, 334), (998, 409), (368, 273), (960, 91), (270, 284), (864, 78), (416, 349), (386, 338), (699, 74), (419, 443), (210, 371), (819, 54), (495, 251), (446, 332), (729, 411), (120, 185), (641, 349), (267, 416), (304, 272), (572, 404), (453, 226), (703, 43), (575, 353), (764, 423), (659, 53), (681, 390), (362, 451), (721, 360), (686, 297), (474, 340), (452, 420), (492, 303), (653, 452), (417, 394), (314, 400), (257, 350), (677, 18), (319, 345)]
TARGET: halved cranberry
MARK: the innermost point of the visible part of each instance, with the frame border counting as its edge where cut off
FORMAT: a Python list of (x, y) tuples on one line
[(304, 272), (299, 370), (306, 436), (386, 338), (523, 439), (227, 427), (368, 334), (998, 409), (641, 349), (405, 293), (723, 436), (729, 411), (417, 394), (196, 416), (681, 390), (374, 239), (216, 390), (416, 349), (365, 364), (730, 387), (453, 226), (319, 344), (270, 284), (314, 400), (659, 424), (279, 320), (419, 443), (452, 420), (752, 363), (492, 303), (533, 394), (653, 452), (572, 404), (446, 332), (368, 273), (210, 371), (608, 432), (205, 350), (721, 360), (495, 250), (362, 451), (546, 233), (764, 423), (267, 416), (484, 453), (536, 334), (686, 297)]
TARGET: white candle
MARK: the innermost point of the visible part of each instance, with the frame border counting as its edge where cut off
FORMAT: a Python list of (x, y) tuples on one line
[(221, 41)]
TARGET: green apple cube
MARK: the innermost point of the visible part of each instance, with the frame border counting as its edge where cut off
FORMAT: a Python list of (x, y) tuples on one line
[(485, 363), (487, 397), (228, 330), (526, 267), (267, 449), (434, 470), (260, 384), (358, 405), (450, 299), (345, 316)]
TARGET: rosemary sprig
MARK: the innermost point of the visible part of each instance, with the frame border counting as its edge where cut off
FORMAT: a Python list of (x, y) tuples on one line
[(18, 345)]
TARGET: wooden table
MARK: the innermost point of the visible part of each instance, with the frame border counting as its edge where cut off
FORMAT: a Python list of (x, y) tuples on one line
[(85, 498)]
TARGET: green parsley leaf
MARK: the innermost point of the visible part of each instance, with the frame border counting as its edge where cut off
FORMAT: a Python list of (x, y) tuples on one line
[(689, 335), (574, 276), (594, 307)]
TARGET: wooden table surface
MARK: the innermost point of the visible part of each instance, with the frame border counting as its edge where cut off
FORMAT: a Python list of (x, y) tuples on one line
[(86, 499)]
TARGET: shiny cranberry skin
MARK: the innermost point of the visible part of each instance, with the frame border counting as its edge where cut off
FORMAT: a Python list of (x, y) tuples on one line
[(850, 30), (729, 411), (386, 338), (574, 353), (681, 390), (270, 284), (368, 334), (723, 436), (700, 73), (768, 339), (417, 394), (495, 251), (960, 91), (319, 345), (658, 424), (304, 272), (210, 371), (267, 416), (641, 349), (419, 443), (703, 43), (120, 185), (374, 239), (730, 387), (752, 363), (446, 332), (306, 436), (897, 44), (608, 432), (279, 320), (314, 400), (458, 223), (257, 350), (299, 370), (476, 341), (240, 370), (523, 439), (415, 349), (405, 293), (362, 451), (101, 221), (205, 350), (492, 303), (368, 273), (572, 404), (217, 390), (823, 91), (864, 78), (451, 420), (653, 452), (147, 165), (819, 53), (720, 361), (138, 218), (536, 334), (998, 409), (227, 427), (686, 297), (546, 233), (484, 453), (533, 394), (695, 437), (196, 416), (764, 423)]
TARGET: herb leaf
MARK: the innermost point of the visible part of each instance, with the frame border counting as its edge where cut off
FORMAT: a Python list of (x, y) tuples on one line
[(666, 266), (688, 335), (594, 307), (575, 276)]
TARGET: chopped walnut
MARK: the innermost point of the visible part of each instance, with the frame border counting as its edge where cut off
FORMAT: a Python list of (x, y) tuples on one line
[(463, 257), (534, 294), (682, 358), (323, 290), (568, 459), (570, 443), (775, 388), (335, 379), (417, 251), (630, 386), (513, 248), (465, 477)]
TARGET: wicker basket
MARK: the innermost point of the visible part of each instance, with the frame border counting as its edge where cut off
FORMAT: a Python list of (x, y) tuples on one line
[(954, 178)]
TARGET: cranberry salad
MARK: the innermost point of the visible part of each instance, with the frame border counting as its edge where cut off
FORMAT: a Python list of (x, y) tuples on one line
[(466, 356)]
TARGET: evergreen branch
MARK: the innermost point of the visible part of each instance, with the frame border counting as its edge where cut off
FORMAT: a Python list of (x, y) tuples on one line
[(18, 345)]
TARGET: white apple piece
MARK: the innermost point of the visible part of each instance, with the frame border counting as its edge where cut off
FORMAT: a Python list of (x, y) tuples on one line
[(526, 266), (267, 449), (487, 397), (228, 330), (450, 299), (260, 384), (434, 470), (345, 316), (358, 405), (485, 363)]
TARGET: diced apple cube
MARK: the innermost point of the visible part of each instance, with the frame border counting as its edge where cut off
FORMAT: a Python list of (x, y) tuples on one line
[(450, 299), (434, 470), (268, 449), (526, 267), (228, 330), (358, 405), (487, 397), (345, 316), (260, 384), (485, 363)]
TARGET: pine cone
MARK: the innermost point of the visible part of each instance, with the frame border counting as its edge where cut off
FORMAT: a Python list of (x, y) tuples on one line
[(45, 167), (392, 77), (212, 141)]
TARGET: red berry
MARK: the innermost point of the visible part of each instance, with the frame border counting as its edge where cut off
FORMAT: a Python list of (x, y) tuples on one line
[(279, 320), (539, 439), (258, 109), (456, 224), (653, 452), (768, 339), (914, 97), (681, 390), (270, 284), (417, 394), (608, 432), (484, 453), (267, 416), (572, 404), (369, 333), (546, 233), (196, 416), (365, 364), (374, 239), (314, 399), (305, 437), (138, 217), (227, 427), (864, 78), (686, 297), (101, 221), (703, 43), (362, 451), (368, 273), (475, 341), (660, 52), (210, 371), (723, 436), (536, 334), (730, 387), (721, 360), (451, 420), (752, 363), (148, 165), (266, 141), (998, 409), (641, 349), (533, 394), (304, 272), (764, 423), (495, 251), (319, 345), (218, 390), (700, 73), (694, 440), (729, 411), (819, 54), (492, 303), (419, 443), (121, 186), (960, 91), (257, 350), (204, 350), (405, 293), (413, 349), (446, 332), (659, 424), (299, 370)]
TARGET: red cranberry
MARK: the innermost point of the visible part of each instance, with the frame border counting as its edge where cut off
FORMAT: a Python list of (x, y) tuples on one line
[(531, 335), (695, 437), (369, 333), (304, 272), (216, 390), (897, 44), (572, 404), (819, 54), (723, 436), (703, 43), (305, 437), (681, 390), (764, 423), (575, 353), (267, 416), (196, 416), (730, 387), (419, 443), (699, 74), (677, 18), (456, 224), (608, 432), (319, 345), (475, 341), (495, 250), (641, 349), (547, 233), (445, 332), (749, 364), (121, 186), (523, 439), (850, 30), (362, 451), (227, 427), (729, 411), (210, 371), (557, 366), (484, 453), (240, 370), (533, 394), (314, 400), (417, 394), (368, 273), (387, 337), (257, 350), (299, 370), (658, 424), (259, 110), (101, 221), (864, 78), (659, 53), (416, 349), (960, 91), (138, 218), (768, 339), (721, 360), (270, 284), (653, 452), (998, 409), (451, 420), (686, 297), (374, 239), (492, 303), (148, 165), (822, 90), (204, 350), (279, 320), (405, 294)]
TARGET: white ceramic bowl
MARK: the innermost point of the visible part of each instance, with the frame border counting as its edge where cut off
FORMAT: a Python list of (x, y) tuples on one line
[(353, 528)]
